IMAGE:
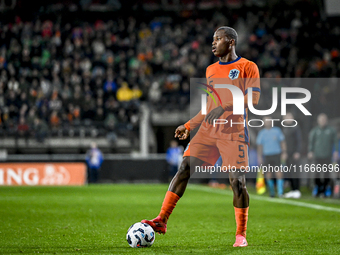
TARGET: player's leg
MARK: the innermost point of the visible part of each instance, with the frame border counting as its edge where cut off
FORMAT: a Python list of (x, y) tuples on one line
[(175, 192), (180, 180), (270, 183), (269, 163), (238, 185), (279, 175), (241, 206), (178, 185), (327, 190), (201, 151), (235, 153)]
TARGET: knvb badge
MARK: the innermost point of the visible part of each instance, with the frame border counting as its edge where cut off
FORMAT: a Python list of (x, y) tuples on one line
[(233, 74)]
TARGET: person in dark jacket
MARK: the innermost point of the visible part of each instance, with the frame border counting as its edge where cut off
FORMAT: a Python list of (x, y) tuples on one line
[(293, 141), (322, 139), (40, 130)]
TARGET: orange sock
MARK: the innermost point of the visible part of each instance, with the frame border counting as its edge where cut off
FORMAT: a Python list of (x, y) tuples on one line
[(168, 205), (241, 216)]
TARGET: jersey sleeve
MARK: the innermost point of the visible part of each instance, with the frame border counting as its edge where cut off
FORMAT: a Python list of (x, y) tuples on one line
[(198, 119), (194, 122), (252, 78)]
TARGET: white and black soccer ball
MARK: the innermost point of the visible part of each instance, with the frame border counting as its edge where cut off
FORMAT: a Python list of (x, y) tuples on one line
[(140, 235)]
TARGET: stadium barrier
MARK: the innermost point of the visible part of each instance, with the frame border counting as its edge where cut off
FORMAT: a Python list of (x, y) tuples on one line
[(49, 173), (115, 168)]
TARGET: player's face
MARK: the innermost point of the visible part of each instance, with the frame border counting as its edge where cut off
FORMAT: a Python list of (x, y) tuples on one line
[(221, 44)]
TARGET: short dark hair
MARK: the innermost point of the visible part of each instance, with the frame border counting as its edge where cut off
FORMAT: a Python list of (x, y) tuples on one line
[(230, 32)]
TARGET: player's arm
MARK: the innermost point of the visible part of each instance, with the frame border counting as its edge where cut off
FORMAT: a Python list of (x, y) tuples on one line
[(194, 122), (191, 124), (228, 106), (183, 131)]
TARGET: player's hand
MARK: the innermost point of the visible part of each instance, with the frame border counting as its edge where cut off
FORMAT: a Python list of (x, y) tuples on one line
[(182, 133), (284, 156), (214, 114), (310, 155)]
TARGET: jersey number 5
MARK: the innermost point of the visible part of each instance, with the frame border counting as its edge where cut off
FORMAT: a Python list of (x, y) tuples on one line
[(241, 150)]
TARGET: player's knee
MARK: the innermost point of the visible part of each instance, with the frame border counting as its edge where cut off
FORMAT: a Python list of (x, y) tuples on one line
[(184, 171), (238, 184)]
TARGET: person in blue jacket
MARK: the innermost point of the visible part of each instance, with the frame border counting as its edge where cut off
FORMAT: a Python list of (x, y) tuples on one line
[(173, 157), (94, 160)]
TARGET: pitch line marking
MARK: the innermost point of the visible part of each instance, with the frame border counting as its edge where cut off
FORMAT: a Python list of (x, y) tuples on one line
[(267, 199)]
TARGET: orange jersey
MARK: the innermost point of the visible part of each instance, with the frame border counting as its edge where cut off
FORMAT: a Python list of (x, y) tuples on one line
[(241, 73)]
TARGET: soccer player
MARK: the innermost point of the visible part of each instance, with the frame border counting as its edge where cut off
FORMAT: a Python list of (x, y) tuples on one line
[(231, 142)]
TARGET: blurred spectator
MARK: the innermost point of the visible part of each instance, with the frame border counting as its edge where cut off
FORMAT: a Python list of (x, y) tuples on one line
[(31, 118), (54, 120), (22, 130), (155, 93), (294, 142), (124, 93), (99, 115), (94, 160), (272, 146), (110, 124), (40, 130), (57, 63), (322, 140), (136, 92), (110, 86), (173, 157)]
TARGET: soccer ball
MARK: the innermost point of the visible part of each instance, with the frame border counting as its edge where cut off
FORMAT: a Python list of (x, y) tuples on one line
[(140, 235)]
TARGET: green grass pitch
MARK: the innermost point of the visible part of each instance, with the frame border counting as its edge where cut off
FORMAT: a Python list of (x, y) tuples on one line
[(94, 220)]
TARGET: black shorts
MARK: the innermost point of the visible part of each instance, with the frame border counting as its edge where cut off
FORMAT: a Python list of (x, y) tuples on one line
[(272, 160), (323, 163)]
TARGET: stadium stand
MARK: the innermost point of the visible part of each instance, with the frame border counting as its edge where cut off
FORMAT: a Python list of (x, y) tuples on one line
[(63, 80)]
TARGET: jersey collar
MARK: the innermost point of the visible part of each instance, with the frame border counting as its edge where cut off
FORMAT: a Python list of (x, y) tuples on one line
[(227, 63)]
